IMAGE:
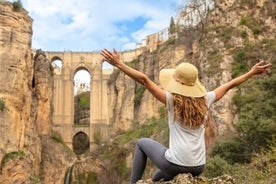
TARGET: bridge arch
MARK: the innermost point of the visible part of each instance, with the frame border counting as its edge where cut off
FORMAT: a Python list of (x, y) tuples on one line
[(81, 143), (63, 96)]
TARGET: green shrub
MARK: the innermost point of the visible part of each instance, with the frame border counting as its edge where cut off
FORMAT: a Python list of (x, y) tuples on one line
[(255, 129), (58, 139), (11, 155), (261, 170), (123, 170), (84, 101), (244, 34), (139, 93), (239, 66), (91, 178), (233, 150), (2, 105), (252, 24), (97, 137), (226, 33), (217, 166), (17, 5)]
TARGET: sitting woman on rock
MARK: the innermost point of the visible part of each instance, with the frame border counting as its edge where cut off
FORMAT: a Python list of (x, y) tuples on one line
[(187, 103)]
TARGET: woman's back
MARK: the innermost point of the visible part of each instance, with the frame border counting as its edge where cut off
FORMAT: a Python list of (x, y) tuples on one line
[(187, 145)]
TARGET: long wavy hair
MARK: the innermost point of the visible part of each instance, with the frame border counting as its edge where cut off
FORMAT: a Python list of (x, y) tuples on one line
[(190, 111)]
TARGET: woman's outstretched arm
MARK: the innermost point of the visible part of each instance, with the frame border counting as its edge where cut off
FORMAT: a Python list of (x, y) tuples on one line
[(258, 68), (114, 59)]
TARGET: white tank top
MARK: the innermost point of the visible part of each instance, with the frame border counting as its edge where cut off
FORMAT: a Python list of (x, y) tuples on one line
[(186, 145)]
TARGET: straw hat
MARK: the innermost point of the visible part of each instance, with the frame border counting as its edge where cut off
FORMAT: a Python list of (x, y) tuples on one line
[(182, 80)]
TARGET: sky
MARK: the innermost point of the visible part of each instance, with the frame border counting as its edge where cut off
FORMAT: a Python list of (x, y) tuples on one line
[(90, 25)]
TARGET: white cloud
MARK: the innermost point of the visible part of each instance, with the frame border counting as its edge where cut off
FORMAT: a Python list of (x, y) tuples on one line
[(89, 25)]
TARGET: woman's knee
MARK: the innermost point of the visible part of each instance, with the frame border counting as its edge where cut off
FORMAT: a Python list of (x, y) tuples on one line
[(143, 141)]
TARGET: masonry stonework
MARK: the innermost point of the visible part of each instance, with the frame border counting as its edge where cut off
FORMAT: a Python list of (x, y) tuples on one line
[(63, 94)]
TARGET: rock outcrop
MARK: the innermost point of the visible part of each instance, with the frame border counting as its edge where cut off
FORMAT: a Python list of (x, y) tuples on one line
[(20, 146), (189, 179), (30, 152)]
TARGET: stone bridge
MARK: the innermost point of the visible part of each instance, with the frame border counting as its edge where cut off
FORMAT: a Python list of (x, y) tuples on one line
[(63, 95)]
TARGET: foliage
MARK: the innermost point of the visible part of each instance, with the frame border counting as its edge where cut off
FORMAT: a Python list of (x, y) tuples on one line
[(11, 155), (260, 170), (17, 5), (214, 59), (84, 101), (139, 93), (217, 166), (256, 106), (246, 56), (88, 178), (252, 24), (145, 131), (2, 105), (57, 137), (200, 9), (172, 28), (162, 112), (226, 33), (97, 137), (239, 66), (91, 178), (123, 169), (243, 34), (232, 150)]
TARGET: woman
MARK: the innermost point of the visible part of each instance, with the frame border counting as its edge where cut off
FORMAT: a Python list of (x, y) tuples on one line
[(187, 103)]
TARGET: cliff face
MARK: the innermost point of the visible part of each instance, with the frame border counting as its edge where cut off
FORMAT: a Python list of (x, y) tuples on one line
[(229, 26), (18, 131), (28, 147), (130, 102), (233, 28)]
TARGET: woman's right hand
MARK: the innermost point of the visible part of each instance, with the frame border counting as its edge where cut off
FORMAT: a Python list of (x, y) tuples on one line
[(260, 67)]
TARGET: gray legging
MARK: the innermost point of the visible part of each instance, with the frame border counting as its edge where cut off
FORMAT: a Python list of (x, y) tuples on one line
[(156, 152)]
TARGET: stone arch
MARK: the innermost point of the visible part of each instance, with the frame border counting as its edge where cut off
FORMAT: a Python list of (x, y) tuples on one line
[(81, 143), (57, 66), (54, 58), (82, 98), (79, 68), (63, 96)]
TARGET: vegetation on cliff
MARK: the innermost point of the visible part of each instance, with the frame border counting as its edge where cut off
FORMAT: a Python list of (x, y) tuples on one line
[(248, 153)]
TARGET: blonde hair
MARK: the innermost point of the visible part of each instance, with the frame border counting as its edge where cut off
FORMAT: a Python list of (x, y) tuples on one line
[(190, 111)]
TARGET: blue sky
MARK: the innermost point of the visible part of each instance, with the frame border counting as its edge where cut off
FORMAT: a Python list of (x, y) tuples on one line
[(90, 25)]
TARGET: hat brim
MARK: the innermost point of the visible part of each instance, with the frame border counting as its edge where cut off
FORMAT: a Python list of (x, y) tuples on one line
[(170, 84)]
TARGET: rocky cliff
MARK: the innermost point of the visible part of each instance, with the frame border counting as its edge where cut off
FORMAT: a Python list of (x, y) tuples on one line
[(19, 136), (28, 147)]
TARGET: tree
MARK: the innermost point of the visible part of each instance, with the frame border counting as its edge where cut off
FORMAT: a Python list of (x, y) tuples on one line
[(194, 12), (172, 28)]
